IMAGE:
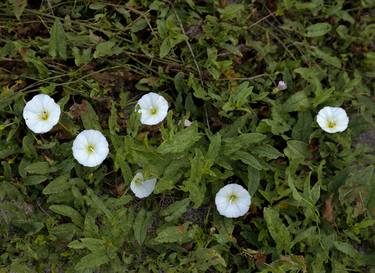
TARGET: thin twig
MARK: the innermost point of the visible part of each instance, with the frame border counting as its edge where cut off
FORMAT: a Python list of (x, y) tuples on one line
[(246, 78)]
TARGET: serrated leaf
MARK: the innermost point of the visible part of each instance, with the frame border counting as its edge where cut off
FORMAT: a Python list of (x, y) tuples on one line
[(181, 141), (318, 30), (57, 42)]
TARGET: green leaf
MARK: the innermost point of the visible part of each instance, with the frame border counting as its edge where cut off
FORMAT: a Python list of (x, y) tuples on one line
[(303, 129), (41, 167), (213, 148), (68, 212), (104, 49), (231, 11), (59, 184), (35, 179), (278, 230), (194, 184), (329, 59), (94, 245), (90, 228), (181, 141), (297, 102), (57, 42), (248, 159), (141, 225), (89, 117), (253, 180), (28, 146), (112, 120), (174, 234), (318, 30), (18, 7), (97, 203), (81, 58), (91, 261), (176, 210), (346, 249), (266, 151), (296, 150)]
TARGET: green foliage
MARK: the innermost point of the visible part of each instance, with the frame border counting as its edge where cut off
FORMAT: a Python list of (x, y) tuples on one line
[(218, 64)]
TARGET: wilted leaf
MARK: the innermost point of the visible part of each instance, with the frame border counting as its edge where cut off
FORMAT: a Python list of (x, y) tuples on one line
[(328, 210)]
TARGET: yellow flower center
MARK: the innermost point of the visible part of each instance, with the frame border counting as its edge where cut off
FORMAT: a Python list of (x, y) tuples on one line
[(232, 198), (331, 124), (138, 181), (90, 148), (153, 111), (44, 115)]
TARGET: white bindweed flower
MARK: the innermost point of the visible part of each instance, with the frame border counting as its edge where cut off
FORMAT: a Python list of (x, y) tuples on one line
[(141, 187), (90, 148), (332, 119), (232, 201), (282, 85), (41, 113), (187, 123), (153, 108)]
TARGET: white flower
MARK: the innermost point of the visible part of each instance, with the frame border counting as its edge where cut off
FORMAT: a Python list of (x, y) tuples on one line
[(332, 119), (153, 108), (282, 85), (90, 148), (232, 201), (187, 123), (41, 113), (140, 187)]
